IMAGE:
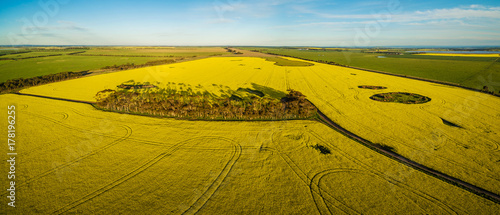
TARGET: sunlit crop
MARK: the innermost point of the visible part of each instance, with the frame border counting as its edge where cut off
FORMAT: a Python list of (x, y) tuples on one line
[(198, 166)]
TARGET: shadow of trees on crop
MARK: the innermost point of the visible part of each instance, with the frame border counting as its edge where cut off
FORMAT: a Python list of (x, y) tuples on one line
[(252, 91), (448, 123), (275, 94), (385, 147)]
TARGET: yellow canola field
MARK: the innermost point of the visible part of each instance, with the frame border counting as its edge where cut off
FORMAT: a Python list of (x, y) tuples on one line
[(76, 159), (416, 131), (461, 55)]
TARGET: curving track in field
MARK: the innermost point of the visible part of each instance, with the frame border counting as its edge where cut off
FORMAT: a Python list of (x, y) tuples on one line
[(196, 206), (203, 199), (319, 97), (451, 180), (387, 178), (323, 198), (93, 152)]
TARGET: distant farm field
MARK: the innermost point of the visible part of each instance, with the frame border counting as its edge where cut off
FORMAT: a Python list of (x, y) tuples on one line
[(28, 68), (473, 71), (38, 62), (159, 51)]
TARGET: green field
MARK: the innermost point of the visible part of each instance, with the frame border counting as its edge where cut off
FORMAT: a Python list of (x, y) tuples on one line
[(24, 67), (158, 51), (474, 72), (27, 68)]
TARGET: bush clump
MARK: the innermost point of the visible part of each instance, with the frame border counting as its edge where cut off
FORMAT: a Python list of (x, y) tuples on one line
[(322, 149), (194, 104)]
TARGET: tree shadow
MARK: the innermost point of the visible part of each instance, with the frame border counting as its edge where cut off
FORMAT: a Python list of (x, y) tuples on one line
[(276, 94)]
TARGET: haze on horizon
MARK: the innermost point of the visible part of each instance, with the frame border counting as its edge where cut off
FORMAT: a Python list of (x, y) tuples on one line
[(259, 22)]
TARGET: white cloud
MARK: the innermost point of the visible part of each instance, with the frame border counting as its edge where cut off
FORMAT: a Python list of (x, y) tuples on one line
[(474, 11), (63, 25)]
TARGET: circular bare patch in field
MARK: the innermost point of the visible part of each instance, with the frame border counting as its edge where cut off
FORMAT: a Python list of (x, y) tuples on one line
[(400, 97), (372, 87)]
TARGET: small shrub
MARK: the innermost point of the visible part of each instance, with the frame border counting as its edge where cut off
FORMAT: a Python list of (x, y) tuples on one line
[(322, 149)]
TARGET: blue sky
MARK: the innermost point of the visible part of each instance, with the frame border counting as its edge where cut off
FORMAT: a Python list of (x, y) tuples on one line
[(257, 22)]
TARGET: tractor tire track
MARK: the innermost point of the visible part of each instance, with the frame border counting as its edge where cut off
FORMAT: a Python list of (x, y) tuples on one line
[(287, 80), (268, 80), (315, 187), (341, 94), (319, 176), (236, 153), (389, 179), (214, 187), (318, 96), (422, 152), (299, 173), (113, 143), (306, 138)]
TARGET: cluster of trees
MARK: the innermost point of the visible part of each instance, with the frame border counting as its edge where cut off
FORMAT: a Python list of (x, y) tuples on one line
[(191, 105), (233, 51), (372, 87), (138, 86), (401, 97), (487, 90), (14, 84), (133, 66), (322, 149)]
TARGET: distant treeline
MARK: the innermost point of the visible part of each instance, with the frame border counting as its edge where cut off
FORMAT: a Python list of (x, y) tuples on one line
[(114, 55), (134, 66), (233, 51), (59, 49), (205, 106), (75, 53), (23, 58), (39, 56), (13, 52), (15, 84)]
